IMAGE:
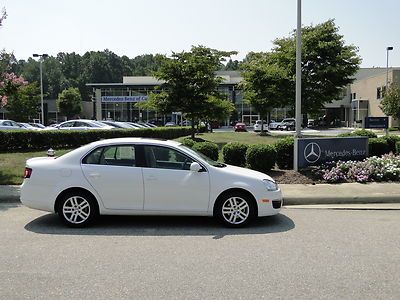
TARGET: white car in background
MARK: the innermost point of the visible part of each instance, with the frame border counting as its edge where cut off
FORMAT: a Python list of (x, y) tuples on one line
[(81, 124), (29, 126), (257, 126), (137, 176), (10, 125)]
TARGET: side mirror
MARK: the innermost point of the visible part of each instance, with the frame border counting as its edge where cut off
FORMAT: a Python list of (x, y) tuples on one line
[(195, 167)]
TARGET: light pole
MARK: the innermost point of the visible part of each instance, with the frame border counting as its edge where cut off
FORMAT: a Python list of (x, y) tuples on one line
[(387, 68), (298, 85), (41, 58)]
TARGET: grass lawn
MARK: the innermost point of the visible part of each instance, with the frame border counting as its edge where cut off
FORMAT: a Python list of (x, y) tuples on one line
[(12, 165)]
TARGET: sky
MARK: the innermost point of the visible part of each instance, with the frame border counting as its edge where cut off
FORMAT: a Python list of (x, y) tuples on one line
[(139, 27)]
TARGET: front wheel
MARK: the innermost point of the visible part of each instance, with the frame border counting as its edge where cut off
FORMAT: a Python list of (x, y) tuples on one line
[(77, 209), (235, 210)]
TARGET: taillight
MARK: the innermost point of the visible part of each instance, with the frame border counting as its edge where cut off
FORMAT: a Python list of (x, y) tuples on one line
[(27, 173)]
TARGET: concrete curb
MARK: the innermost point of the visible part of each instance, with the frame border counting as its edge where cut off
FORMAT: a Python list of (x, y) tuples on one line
[(346, 193)]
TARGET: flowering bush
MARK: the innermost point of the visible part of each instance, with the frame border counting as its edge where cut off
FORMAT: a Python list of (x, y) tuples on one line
[(385, 168), (9, 85)]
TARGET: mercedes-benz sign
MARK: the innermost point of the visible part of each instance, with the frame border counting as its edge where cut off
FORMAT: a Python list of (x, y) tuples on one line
[(315, 151)]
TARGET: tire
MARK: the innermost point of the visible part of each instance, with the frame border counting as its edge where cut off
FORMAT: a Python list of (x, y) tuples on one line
[(77, 209), (235, 210)]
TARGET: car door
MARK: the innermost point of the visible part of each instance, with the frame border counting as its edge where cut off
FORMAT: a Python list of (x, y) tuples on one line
[(113, 172), (170, 185)]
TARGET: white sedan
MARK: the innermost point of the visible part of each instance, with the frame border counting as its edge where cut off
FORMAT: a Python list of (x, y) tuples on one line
[(81, 124), (136, 176)]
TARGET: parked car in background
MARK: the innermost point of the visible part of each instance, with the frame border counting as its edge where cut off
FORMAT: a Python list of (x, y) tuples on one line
[(287, 124), (38, 125), (29, 126), (257, 126), (135, 125), (170, 124), (138, 176), (118, 125), (82, 124), (10, 125), (274, 125), (240, 127), (311, 123)]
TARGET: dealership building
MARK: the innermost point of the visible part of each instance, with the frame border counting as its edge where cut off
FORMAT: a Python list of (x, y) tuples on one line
[(359, 100)]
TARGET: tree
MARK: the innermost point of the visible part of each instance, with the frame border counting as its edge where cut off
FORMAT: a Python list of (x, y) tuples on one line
[(217, 109), (3, 16), (327, 65), (189, 82), (69, 102), (23, 105), (390, 104), (9, 87), (264, 84)]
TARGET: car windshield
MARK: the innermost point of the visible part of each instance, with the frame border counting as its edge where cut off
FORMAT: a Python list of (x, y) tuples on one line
[(98, 124), (203, 157)]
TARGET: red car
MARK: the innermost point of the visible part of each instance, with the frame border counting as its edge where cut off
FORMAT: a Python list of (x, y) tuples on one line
[(240, 127)]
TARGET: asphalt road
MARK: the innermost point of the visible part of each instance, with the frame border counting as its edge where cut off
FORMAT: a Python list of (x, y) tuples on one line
[(301, 253)]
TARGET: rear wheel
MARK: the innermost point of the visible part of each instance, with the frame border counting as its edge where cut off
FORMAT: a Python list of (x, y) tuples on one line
[(235, 210), (77, 209)]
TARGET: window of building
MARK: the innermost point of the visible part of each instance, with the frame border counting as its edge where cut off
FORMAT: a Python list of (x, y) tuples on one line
[(378, 93)]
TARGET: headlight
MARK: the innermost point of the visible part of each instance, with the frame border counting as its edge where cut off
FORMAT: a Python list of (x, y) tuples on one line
[(271, 185)]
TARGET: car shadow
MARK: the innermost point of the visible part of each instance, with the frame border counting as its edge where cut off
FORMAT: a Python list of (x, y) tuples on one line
[(159, 226)]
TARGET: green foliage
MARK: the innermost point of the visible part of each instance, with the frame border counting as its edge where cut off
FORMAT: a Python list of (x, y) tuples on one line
[(327, 66), (391, 140), (285, 149), (69, 102), (23, 105), (189, 82), (377, 146), (397, 147), (390, 104), (235, 154), (265, 83), (261, 157), (208, 149), (188, 142), (56, 139), (359, 132)]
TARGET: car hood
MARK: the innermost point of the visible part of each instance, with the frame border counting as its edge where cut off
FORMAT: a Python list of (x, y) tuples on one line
[(244, 172)]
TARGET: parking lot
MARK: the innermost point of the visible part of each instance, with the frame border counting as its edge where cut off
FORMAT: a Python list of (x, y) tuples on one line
[(297, 254)]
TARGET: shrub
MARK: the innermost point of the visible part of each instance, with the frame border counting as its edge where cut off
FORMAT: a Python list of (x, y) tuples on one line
[(377, 146), (284, 149), (36, 140), (208, 149), (359, 132), (391, 141), (235, 154), (398, 147), (188, 142), (261, 157)]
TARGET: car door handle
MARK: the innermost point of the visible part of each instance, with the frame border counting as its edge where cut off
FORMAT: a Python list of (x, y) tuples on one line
[(151, 178), (94, 175)]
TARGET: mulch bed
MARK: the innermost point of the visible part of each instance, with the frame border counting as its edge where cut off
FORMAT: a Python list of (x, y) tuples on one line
[(293, 177)]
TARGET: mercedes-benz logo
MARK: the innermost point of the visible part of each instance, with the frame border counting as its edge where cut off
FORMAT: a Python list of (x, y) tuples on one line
[(312, 152)]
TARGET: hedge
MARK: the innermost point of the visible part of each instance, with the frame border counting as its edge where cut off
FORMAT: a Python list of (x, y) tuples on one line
[(44, 139), (284, 149), (208, 149), (378, 146), (235, 154), (397, 147), (391, 141), (359, 132), (261, 157)]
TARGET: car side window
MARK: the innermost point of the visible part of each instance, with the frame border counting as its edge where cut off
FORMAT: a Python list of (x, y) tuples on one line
[(166, 158), (67, 125), (123, 155)]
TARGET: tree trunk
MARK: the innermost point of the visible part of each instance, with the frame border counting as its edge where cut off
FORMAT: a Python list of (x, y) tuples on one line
[(193, 129)]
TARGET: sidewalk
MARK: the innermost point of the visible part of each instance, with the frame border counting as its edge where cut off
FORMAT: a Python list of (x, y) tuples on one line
[(300, 194)]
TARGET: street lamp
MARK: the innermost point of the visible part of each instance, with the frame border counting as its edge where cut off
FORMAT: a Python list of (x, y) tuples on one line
[(42, 57), (298, 86), (387, 68)]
